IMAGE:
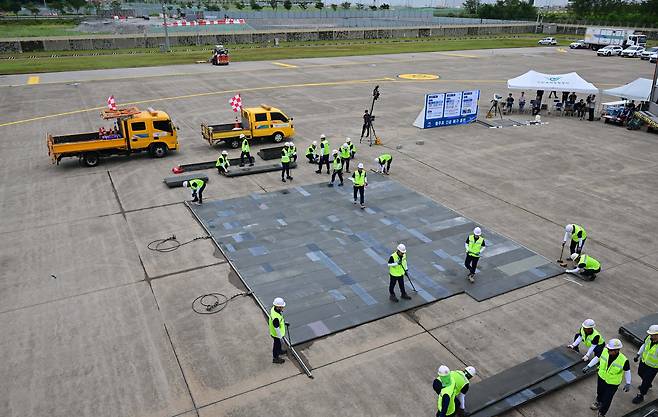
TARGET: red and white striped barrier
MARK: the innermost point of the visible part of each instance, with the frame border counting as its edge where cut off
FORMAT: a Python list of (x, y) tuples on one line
[(207, 22)]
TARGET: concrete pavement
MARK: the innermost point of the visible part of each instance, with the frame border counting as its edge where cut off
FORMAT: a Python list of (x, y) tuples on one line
[(113, 333)]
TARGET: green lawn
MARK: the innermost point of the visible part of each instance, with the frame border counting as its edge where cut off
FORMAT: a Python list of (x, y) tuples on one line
[(40, 30), (145, 58)]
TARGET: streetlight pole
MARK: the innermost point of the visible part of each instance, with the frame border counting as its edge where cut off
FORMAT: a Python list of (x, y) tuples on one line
[(164, 17)]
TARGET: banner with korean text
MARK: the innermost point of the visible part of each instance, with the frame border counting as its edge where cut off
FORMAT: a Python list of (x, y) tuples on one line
[(448, 109)]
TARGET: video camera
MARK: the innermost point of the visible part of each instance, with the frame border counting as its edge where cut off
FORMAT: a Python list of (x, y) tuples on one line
[(496, 98)]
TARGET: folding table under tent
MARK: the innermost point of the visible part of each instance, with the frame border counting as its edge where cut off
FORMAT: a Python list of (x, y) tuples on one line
[(639, 89), (533, 80)]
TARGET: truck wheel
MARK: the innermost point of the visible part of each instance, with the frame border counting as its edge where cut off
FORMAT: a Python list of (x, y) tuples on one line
[(90, 159), (278, 137), (234, 143), (159, 150)]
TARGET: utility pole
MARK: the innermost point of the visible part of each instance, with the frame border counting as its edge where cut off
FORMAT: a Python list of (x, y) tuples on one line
[(164, 17)]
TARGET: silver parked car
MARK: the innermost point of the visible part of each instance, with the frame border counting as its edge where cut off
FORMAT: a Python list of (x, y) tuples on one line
[(646, 54), (632, 51)]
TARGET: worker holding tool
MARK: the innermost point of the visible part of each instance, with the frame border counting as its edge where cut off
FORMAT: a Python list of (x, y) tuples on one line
[(384, 162), (311, 153), (338, 169), (648, 367), (324, 154), (222, 163), (461, 379), (360, 182), (444, 386), (474, 246), (277, 329), (197, 186), (285, 163), (586, 266), (245, 151), (591, 337), (397, 269), (612, 364), (345, 155), (577, 236)]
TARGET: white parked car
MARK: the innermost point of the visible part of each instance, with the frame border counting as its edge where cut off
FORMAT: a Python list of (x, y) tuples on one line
[(547, 41), (578, 44), (646, 54), (653, 58), (609, 50), (632, 51)]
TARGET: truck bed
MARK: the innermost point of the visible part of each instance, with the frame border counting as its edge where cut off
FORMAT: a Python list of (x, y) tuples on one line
[(80, 143), (78, 137)]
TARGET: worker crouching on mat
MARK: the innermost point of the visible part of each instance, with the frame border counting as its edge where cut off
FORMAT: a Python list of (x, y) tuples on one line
[(474, 246), (312, 153), (277, 329), (586, 266), (648, 367), (196, 186), (613, 366), (444, 385), (397, 269), (590, 337), (222, 163)]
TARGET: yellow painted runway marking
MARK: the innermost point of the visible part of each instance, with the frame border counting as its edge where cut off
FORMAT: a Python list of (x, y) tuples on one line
[(418, 76), (210, 93), (561, 50), (458, 55), (33, 80), (281, 64)]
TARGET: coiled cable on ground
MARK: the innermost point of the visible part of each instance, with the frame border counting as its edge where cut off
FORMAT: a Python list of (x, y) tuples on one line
[(170, 243), (213, 302)]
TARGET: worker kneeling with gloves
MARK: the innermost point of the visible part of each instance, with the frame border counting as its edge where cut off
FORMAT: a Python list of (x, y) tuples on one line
[(613, 366), (586, 266)]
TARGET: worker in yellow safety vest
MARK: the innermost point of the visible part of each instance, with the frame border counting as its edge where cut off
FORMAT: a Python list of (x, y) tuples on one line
[(397, 269), (285, 162), (577, 236), (277, 325), (360, 181), (246, 149), (648, 367), (197, 186), (586, 266), (474, 245), (613, 367), (589, 336), (462, 385), (445, 386), (222, 163)]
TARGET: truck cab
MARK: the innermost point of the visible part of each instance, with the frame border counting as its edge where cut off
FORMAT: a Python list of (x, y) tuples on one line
[(149, 130)]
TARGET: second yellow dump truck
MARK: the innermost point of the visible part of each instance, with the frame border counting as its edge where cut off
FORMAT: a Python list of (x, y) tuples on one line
[(134, 131), (262, 122)]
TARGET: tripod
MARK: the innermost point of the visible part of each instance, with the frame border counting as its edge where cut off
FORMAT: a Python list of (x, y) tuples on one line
[(370, 129), (495, 109)]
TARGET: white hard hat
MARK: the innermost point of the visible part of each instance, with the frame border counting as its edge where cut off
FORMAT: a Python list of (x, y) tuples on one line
[(589, 324), (574, 256), (322, 136), (185, 183), (345, 144), (278, 302), (348, 140), (402, 248), (224, 153), (653, 329), (360, 165), (443, 370), (614, 344), (568, 228), (315, 142), (471, 371), (376, 159), (335, 151), (242, 136), (477, 231)]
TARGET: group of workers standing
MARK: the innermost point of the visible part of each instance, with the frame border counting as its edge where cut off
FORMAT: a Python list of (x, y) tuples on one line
[(613, 366)]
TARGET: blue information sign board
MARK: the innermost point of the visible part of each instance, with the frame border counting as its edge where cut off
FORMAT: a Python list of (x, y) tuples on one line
[(448, 109)]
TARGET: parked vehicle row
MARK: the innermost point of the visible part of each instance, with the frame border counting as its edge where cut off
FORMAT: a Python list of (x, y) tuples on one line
[(630, 52)]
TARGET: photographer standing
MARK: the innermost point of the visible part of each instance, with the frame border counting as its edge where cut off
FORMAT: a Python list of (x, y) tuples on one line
[(365, 130)]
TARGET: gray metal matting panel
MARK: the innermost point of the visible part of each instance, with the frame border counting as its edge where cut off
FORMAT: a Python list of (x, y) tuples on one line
[(636, 331), (514, 380), (328, 258), (647, 410), (548, 385)]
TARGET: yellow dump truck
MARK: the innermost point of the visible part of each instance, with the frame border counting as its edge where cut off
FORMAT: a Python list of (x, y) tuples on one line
[(134, 131), (262, 122)]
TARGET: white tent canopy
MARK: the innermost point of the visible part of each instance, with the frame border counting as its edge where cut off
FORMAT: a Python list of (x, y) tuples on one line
[(639, 89), (533, 80)]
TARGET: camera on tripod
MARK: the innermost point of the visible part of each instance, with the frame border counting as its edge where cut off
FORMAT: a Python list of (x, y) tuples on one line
[(497, 98)]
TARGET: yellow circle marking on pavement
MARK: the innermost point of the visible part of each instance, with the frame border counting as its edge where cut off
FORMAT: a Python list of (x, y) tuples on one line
[(418, 76)]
